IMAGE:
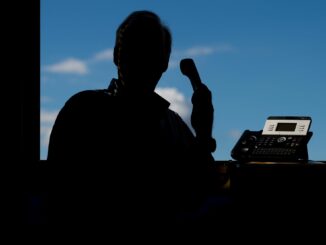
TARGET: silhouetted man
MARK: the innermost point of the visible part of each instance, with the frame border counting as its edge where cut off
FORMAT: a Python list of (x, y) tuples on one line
[(128, 156)]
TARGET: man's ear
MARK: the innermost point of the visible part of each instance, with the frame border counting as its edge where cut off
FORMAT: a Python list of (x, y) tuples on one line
[(165, 63), (165, 66), (115, 55)]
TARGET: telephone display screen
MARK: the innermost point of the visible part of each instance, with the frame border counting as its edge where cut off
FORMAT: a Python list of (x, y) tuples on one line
[(286, 126)]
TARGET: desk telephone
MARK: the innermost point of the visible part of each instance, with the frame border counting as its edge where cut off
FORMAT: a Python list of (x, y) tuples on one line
[(283, 138)]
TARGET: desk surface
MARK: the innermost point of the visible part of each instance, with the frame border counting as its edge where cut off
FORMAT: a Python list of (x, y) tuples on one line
[(259, 188), (271, 178), (302, 163)]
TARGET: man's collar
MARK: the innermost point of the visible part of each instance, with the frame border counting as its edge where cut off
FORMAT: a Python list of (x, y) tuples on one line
[(115, 88)]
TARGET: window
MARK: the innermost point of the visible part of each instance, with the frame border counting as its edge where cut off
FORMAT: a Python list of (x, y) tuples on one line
[(258, 58)]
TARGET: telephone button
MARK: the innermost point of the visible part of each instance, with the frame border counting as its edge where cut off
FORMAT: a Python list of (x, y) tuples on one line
[(252, 138), (244, 149), (281, 139)]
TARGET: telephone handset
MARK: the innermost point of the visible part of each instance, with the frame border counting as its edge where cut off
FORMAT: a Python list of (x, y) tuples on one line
[(203, 112), (283, 139)]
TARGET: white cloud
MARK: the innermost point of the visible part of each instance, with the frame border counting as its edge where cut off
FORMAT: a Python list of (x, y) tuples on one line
[(70, 65), (178, 101), (223, 48), (45, 135), (173, 63), (47, 121), (48, 116), (106, 54), (46, 99), (196, 51), (199, 51), (80, 67)]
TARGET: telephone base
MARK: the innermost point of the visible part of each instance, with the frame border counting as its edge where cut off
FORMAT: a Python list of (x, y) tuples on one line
[(253, 146)]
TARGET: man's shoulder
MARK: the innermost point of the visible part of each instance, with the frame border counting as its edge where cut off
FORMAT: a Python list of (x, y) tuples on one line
[(177, 120), (88, 97), (173, 114), (91, 93)]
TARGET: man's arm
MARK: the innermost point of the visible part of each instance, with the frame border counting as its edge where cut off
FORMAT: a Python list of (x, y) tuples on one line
[(202, 117)]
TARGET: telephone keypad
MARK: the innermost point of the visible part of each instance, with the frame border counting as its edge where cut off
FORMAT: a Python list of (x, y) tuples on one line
[(273, 151), (276, 145)]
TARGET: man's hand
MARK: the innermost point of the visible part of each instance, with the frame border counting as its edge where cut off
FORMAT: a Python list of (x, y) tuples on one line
[(202, 116)]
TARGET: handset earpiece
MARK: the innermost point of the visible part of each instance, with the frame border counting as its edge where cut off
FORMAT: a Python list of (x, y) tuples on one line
[(188, 68)]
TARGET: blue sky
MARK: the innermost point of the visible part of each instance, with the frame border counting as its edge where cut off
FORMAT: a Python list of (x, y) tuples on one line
[(259, 59)]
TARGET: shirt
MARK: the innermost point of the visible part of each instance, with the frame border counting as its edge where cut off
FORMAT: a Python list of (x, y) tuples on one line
[(131, 146)]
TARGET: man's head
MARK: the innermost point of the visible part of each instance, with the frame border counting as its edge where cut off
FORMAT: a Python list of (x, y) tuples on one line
[(142, 50)]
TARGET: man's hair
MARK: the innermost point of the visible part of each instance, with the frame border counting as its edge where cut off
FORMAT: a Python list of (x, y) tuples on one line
[(137, 30), (144, 15)]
